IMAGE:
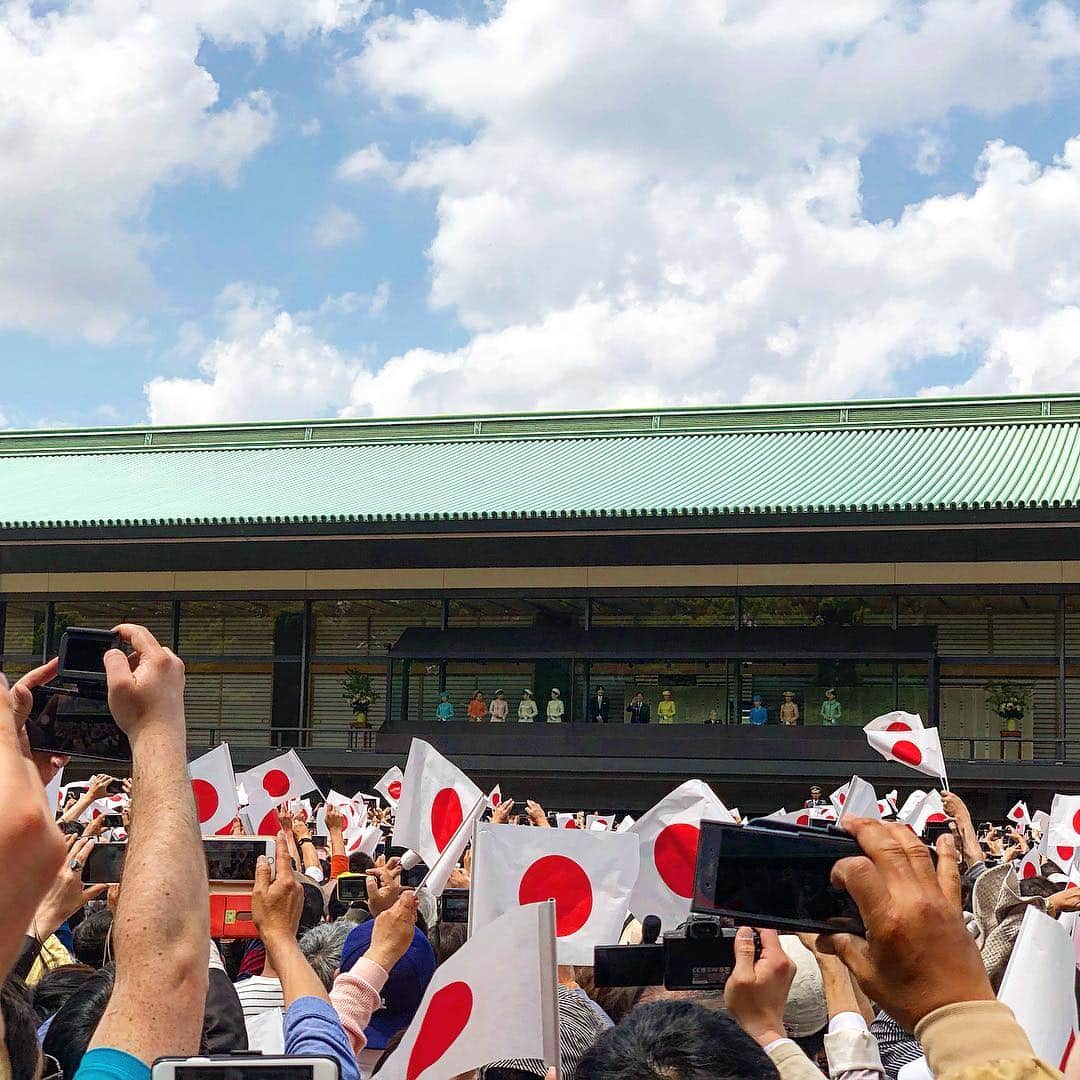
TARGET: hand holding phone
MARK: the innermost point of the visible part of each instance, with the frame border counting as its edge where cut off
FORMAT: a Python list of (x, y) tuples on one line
[(918, 954), (757, 989), (277, 900)]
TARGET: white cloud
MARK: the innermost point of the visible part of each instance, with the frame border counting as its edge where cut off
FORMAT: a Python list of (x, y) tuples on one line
[(368, 161), (350, 303), (104, 102), (335, 227), (647, 209), (928, 153), (266, 364), (311, 129)]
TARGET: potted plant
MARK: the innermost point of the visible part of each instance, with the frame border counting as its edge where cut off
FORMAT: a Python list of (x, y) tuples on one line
[(1010, 701), (357, 690)]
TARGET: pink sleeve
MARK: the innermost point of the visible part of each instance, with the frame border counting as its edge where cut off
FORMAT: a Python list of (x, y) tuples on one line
[(355, 997)]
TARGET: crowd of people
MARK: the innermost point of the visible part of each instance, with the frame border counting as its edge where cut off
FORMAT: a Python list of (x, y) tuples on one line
[(101, 981)]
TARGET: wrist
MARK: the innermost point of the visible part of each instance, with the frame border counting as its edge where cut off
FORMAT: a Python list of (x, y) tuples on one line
[(382, 955), (767, 1034)]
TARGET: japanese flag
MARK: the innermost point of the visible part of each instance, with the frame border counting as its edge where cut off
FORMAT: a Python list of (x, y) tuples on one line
[(369, 840), (435, 797), (792, 817), (860, 800), (897, 721), (626, 823), (668, 835), (269, 785), (389, 787), (839, 797), (354, 820), (1063, 830), (919, 750), (52, 791), (1029, 866), (439, 873), (1019, 815), (495, 797), (589, 875), (1039, 986), (469, 1017), (885, 809), (598, 822), (213, 784), (929, 809), (910, 803), (566, 821)]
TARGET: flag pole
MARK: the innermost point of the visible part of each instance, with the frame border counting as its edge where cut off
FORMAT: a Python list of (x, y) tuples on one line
[(549, 968)]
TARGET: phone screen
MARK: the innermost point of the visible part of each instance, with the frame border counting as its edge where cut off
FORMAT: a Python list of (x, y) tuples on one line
[(351, 888), (264, 1071), (83, 651), (628, 965), (232, 860), (774, 877), (62, 723), (104, 864), (455, 905)]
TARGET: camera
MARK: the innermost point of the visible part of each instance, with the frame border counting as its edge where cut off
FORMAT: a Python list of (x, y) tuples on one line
[(454, 906), (71, 715), (351, 888), (698, 955)]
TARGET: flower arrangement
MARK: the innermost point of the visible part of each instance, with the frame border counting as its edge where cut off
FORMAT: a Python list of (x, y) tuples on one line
[(357, 690), (1009, 700)]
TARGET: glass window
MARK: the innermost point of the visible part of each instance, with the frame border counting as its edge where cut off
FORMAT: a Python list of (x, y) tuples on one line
[(101, 614), (332, 715), (664, 611), (1004, 713), (826, 694), (986, 625), (1072, 625), (237, 627), (232, 706), (488, 611), (24, 630), (697, 693), (817, 610), (355, 628)]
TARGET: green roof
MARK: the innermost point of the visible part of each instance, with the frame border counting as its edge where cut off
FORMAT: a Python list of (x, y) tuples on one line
[(893, 456)]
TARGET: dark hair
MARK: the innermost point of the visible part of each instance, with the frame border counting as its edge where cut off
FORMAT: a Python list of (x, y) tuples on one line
[(1039, 886), (90, 937), (314, 907), (73, 1026), (360, 863), (56, 986), (446, 938), (676, 1040), (20, 1029)]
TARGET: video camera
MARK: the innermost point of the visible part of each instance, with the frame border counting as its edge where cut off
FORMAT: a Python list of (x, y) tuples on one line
[(698, 955), (71, 714)]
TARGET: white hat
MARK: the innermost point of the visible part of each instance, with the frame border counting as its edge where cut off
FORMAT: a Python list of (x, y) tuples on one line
[(526, 693), (556, 692), (805, 1012)]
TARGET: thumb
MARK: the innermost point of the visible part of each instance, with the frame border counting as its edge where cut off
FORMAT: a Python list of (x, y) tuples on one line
[(851, 950), (262, 874), (117, 669), (744, 953)]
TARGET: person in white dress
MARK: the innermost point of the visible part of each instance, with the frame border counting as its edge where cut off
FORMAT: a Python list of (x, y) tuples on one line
[(555, 707), (499, 707), (527, 710)]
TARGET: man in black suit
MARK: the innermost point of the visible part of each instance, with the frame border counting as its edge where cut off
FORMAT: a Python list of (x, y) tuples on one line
[(638, 709), (598, 707)]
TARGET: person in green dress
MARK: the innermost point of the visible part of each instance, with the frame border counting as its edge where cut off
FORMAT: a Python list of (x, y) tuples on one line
[(830, 709)]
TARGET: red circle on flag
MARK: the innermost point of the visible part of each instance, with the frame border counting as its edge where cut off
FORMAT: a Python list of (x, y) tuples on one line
[(1029, 871), (841, 798), (496, 798), (1076, 822), (269, 826), (447, 1014), (898, 725), (206, 800), (393, 789), (1018, 814), (276, 784), (555, 877), (446, 816), (675, 856), (935, 818), (1065, 854), (907, 752), (803, 819)]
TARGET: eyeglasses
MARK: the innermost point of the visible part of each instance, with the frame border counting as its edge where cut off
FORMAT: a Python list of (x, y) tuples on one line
[(50, 1068)]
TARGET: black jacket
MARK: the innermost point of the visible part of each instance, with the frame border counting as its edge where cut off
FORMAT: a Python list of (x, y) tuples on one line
[(599, 708)]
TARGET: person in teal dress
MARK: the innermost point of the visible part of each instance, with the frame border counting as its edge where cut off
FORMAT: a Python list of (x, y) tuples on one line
[(830, 709), (445, 709)]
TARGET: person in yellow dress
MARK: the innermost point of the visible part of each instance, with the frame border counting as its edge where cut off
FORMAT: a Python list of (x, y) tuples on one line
[(666, 708)]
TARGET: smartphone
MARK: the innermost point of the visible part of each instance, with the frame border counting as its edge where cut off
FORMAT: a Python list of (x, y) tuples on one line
[(246, 1067), (62, 721), (352, 888), (454, 906), (116, 787), (227, 859), (410, 879), (82, 654), (772, 874), (112, 821), (234, 858)]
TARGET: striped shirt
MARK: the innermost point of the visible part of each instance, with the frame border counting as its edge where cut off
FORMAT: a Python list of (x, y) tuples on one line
[(258, 994)]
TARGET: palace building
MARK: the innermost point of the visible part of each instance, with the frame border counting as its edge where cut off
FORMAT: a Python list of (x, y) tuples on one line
[(922, 555)]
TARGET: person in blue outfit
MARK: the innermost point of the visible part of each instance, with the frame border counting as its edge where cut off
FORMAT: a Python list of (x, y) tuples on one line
[(758, 713), (445, 709)]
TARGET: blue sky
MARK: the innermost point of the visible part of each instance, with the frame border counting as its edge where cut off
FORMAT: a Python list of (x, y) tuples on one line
[(819, 238)]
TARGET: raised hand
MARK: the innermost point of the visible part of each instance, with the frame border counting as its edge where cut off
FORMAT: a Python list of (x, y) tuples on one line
[(383, 886), (146, 688), (67, 894), (757, 989), (276, 905), (392, 933), (536, 814)]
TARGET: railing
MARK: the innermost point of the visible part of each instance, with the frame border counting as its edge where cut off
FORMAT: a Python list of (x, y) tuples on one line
[(344, 737)]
